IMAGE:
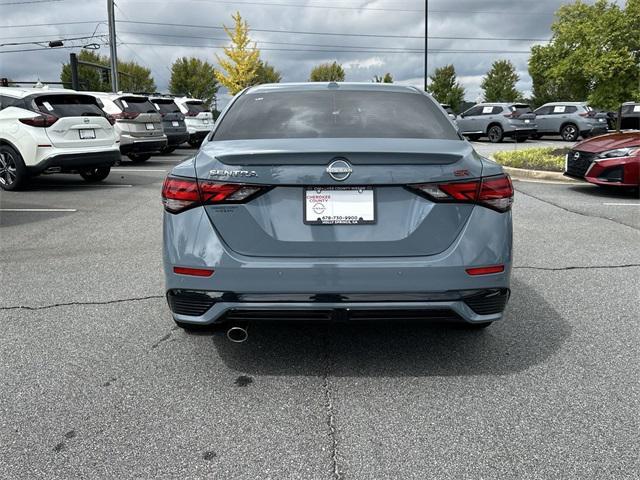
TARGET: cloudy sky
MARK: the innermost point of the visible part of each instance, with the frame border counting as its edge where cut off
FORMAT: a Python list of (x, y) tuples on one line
[(369, 37)]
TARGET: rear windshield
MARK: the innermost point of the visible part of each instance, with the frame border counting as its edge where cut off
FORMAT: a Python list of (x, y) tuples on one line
[(520, 109), (136, 104), (166, 106), (334, 114), (196, 106), (68, 105)]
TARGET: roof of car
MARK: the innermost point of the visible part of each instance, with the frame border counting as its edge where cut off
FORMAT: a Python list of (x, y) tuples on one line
[(498, 104), (22, 92), (316, 86), (564, 103), (114, 96)]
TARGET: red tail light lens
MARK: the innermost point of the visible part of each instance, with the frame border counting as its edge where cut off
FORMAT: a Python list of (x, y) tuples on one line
[(179, 194), (111, 119), (492, 192), (192, 114), (126, 115), (194, 272), (485, 270), (43, 120)]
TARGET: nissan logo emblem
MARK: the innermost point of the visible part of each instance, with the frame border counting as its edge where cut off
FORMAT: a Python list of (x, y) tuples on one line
[(339, 170), (576, 155)]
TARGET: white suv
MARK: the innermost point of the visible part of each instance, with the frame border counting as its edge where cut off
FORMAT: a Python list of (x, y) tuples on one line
[(53, 131), (197, 117)]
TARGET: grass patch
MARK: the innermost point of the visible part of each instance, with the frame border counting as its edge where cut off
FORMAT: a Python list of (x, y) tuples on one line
[(547, 159)]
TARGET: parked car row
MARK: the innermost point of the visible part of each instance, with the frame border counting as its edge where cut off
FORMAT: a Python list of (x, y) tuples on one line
[(570, 120), (63, 131)]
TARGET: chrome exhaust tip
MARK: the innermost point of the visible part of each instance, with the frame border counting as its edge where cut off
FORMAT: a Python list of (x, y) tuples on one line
[(237, 334)]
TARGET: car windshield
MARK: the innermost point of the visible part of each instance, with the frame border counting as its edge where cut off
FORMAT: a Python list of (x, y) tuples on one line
[(196, 106), (334, 114), (166, 106), (68, 105), (136, 105)]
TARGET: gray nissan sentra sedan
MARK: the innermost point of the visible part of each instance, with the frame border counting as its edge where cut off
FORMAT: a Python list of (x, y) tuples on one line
[(336, 201)]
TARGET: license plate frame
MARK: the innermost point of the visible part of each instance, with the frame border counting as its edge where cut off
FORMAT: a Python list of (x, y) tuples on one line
[(369, 211), (87, 134), (149, 126)]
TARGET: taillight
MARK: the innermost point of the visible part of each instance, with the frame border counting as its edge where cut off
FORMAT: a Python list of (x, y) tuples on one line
[(192, 114), (43, 120), (126, 115), (492, 192), (111, 119), (179, 194)]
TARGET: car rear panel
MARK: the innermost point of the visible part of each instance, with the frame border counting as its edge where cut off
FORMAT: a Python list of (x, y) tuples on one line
[(406, 224)]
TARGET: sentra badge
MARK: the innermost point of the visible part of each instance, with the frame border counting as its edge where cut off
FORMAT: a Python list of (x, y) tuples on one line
[(233, 173)]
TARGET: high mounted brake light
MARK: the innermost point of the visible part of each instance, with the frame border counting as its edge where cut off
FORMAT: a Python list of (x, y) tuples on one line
[(180, 194), (492, 192)]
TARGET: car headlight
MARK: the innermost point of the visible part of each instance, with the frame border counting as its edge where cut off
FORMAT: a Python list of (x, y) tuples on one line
[(619, 152)]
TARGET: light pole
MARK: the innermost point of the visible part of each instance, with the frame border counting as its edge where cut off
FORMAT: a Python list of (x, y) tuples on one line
[(426, 43), (112, 45)]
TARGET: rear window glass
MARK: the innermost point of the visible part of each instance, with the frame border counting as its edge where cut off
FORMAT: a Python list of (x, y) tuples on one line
[(195, 106), (520, 109), (167, 106), (334, 114), (68, 105), (136, 104)]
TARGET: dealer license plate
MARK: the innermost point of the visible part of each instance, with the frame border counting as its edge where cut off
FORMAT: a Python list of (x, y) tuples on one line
[(175, 124), (150, 126), (339, 206), (87, 133)]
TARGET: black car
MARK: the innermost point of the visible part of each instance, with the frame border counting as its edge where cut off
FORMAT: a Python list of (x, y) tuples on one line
[(172, 122), (630, 116)]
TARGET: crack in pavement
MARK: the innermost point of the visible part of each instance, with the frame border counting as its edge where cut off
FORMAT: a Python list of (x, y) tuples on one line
[(165, 338), (574, 211), (561, 269), (329, 409), (104, 302)]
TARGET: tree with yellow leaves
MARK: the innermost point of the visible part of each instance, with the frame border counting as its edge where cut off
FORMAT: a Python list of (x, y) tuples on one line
[(242, 60)]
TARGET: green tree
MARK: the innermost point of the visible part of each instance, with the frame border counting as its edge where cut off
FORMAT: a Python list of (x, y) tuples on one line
[(133, 78), (267, 74), (445, 87), (594, 55), (194, 77), (386, 78), (327, 72), (242, 60), (499, 84)]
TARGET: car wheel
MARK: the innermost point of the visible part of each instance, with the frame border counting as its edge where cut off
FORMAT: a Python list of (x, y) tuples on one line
[(570, 133), (495, 134), (95, 174), (139, 157), (473, 138), (13, 173)]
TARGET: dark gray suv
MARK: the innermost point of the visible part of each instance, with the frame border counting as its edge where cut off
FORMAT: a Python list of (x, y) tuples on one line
[(497, 121)]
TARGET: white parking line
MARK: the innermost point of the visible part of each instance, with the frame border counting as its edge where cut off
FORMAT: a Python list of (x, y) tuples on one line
[(623, 204), (38, 210), (92, 185), (137, 170)]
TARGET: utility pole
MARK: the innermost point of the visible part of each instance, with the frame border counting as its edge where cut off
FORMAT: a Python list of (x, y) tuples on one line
[(112, 45), (73, 64), (426, 43)]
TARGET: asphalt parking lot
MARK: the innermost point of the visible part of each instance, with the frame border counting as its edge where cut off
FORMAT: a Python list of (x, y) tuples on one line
[(98, 383)]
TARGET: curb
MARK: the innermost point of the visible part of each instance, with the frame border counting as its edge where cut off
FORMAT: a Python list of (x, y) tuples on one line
[(524, 174)]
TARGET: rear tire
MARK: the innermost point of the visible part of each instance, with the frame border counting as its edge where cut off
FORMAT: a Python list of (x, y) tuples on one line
[(13, 173), (139, 157), (195, 143), (95, 174), (495, 134), (570, 133)]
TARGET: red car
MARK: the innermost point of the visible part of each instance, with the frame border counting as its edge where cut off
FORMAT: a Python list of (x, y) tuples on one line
[(607, 160)]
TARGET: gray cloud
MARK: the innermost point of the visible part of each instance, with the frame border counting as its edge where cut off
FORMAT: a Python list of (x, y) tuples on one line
[(462, 18)]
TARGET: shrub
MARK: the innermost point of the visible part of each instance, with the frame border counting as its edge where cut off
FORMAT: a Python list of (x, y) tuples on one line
[(549, 159)]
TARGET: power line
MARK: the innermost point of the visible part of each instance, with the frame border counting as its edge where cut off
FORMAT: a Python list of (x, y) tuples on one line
[(44, 48), (30, 1), (51, 24), (13, 44)]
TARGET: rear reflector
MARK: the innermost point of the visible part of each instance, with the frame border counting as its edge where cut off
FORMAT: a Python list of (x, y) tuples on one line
[(492, 192), (485, 270), (179, 194), (194, 272)]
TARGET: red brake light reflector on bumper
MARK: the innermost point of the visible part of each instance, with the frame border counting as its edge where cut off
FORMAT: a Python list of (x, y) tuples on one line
[(194, 272), (485, 270)]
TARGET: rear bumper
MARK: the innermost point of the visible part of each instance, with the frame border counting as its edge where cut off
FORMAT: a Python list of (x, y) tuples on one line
[(175, 139), (143, 146), (395, 284), (72, 162)]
